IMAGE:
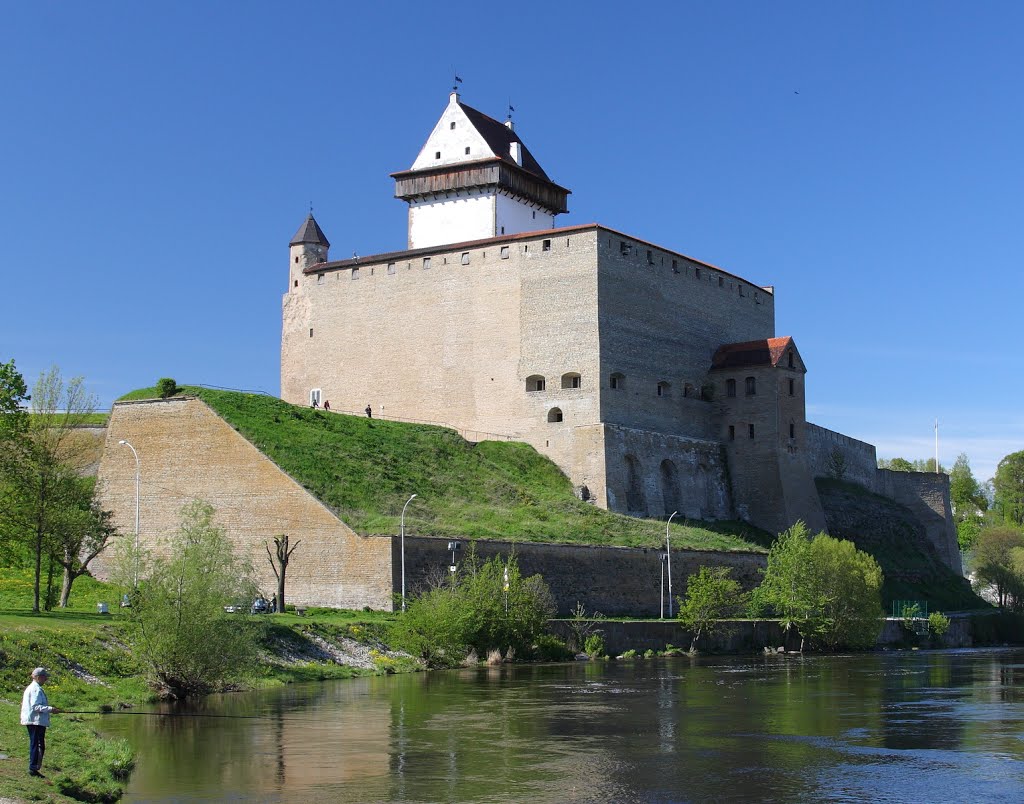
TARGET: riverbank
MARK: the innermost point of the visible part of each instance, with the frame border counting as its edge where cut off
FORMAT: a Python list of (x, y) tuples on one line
[(94, 669)]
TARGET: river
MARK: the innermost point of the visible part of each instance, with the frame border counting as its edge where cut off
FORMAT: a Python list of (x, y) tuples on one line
[(930, 726)]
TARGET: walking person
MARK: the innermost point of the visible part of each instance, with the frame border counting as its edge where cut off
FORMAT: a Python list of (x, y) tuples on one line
[(369, 412), (35, 716)]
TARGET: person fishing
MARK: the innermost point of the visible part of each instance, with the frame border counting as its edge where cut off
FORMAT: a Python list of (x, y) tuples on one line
[(35, 716)]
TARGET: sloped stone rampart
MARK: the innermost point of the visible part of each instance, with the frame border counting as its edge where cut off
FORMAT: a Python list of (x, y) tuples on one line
[(188, 453), (616, 581)]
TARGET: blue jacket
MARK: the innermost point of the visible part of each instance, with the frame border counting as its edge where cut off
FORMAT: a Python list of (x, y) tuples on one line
[(35, 709)]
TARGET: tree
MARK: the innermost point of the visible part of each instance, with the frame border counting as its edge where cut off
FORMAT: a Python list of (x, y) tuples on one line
[(166, 387), (13, 396), (41, 464), (82, 531), (279, 563), (826, 588), (848, 584), (179, 626), (710, 595), (1009, 488), (968, 501), (786, 589), (896, 465), (993, 563)]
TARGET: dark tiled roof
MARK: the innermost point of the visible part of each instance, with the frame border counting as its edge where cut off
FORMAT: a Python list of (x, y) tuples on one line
[(499, 137), (310, 232), (765, 352)]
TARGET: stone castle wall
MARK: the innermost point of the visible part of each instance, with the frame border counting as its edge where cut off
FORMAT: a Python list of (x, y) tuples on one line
[(859, 459), (187, 453), (612, 580)]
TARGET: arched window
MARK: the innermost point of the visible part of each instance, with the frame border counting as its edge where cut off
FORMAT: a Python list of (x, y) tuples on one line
[(669, 487), (730, 387), (664, 389), (555, 415), (751, 386), (535, 382), (617, 381), (634, 489), (571, 380)]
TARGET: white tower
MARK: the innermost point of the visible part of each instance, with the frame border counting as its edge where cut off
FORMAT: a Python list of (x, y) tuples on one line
[(474, 179)]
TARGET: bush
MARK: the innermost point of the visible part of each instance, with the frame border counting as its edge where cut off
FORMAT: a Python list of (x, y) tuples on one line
[(938, 623), (549, 648), (594, 645), (487, 607), (166, 387)]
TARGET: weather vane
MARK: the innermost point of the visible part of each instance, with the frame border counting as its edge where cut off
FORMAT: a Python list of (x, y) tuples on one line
[(455, 85)]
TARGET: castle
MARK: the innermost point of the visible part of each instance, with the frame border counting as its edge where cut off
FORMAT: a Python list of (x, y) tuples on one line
[(654, 380)]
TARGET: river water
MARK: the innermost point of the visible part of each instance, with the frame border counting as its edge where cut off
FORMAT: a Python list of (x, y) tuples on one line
[(881, 727)]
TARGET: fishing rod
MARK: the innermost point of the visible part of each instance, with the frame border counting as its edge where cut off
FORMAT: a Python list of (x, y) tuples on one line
[(110, 711)]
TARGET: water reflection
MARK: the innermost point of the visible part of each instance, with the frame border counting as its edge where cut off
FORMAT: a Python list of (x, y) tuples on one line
[(938, 726)]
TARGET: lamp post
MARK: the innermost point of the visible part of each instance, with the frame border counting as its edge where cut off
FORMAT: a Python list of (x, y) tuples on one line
[(124, 443), (668, 559), (663, 558), (413, 497)]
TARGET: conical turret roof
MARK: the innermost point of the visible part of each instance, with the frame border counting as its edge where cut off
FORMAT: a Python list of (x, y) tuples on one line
[(310, 232)]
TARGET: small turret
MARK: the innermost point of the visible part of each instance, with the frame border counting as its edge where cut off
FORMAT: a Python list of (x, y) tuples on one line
[(308, 247)]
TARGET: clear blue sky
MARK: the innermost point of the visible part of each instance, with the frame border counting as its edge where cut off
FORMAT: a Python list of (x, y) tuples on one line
[(863, 158)]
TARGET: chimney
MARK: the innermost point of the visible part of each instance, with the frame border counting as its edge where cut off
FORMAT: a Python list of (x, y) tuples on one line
[(516, 152)]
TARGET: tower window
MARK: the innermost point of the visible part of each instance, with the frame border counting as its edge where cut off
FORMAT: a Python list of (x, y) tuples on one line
[(571, 380), (355, 273), (750, 430), (730, 387), (391, 267), (296, 283), (617, 381), (452, 126), (296, 260), (535, 382), (650, 257), (535, 218), (696, 273), (792, 430), (791, 387), (732, 432), (623, 248), (664, 389), (310, 332), (555, 415), (467, 150), (426, 263), (465, 258), (790, 360), (751, 386), (437, 154), (675, 266), (721, 281), (504, 252), (545, 246)]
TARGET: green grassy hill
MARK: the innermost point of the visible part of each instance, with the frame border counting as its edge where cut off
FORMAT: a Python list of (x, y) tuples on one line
[(366, 469)]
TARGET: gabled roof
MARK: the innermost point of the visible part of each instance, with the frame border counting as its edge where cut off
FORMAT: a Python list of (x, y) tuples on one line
[(749, 354), (310, 232), (499, 138)]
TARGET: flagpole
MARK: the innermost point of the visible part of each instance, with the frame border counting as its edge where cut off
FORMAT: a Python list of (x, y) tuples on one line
[(936, 446)]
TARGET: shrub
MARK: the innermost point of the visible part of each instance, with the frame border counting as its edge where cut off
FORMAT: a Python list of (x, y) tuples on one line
[(938, 623), (549, 648), (166, 387), (594, 646), (487, 607), (710, 595)]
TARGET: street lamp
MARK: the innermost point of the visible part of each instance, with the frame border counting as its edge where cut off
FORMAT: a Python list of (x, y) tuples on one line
[(124, 443), (663, 559), (413, 497), (668, 559)]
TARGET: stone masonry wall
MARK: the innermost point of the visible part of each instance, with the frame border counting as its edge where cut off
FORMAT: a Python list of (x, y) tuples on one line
[(612, 580), (186, 453), (859, 457)]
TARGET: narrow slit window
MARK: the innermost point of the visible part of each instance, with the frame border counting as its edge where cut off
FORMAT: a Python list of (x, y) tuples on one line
[(791, 387), (750, 386), (732, 432), (750, 430), (437, 154), (730, 387)]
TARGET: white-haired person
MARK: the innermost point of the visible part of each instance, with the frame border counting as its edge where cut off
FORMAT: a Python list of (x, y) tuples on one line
[(35, 716)]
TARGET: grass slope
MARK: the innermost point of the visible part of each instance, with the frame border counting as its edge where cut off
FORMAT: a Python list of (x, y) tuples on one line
[(366, 469)]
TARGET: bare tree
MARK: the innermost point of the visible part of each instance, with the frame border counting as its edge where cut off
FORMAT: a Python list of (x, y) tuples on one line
[(279, 563)]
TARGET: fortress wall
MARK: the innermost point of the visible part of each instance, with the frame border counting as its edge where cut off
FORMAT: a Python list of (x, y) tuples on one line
[(660, 323), (187, 452), (696, 484), (860, 461), (612, 580), (926, 494)]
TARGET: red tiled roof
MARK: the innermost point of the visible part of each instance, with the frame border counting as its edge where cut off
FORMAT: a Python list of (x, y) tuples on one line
[(764, 352)]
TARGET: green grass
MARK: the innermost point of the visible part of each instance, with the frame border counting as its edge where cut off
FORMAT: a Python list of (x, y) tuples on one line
[(366, 469)]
